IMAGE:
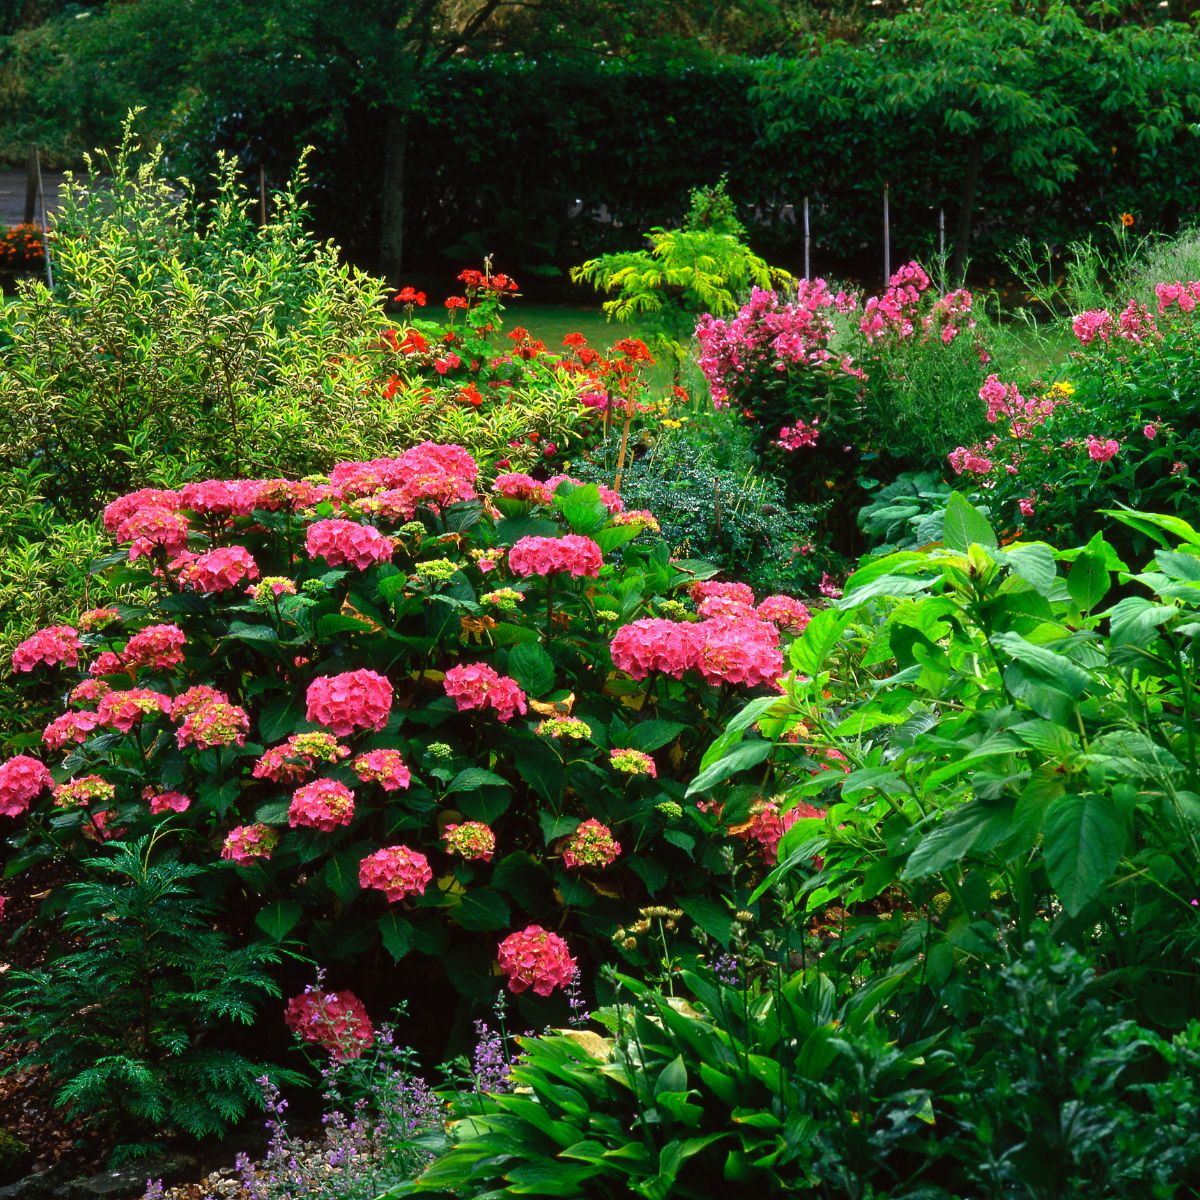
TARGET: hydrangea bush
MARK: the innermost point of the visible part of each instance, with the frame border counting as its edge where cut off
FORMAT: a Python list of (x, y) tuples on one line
[(401, 708)]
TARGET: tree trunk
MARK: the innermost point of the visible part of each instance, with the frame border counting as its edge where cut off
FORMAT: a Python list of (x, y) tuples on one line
[(391, 234), (962, 242)]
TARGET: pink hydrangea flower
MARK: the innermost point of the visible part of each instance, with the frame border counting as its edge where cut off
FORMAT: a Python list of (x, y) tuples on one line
[(655, 644), (785, 612), (397, 871), (534, 959), (83, 790), (107, 663), (590, 845), (767, 825), (70, 728), (297, 758), (22, 780), (159, 647), (57, 645), (214, 723), (195, 697), (470, 840), (90, 691), (123, 710), (247, 842), (515, 486), (1102, 449), (708, 589), (97, 618), (338, 1021), (219, 570), (724, 606), (350, 701), (124, 507), (385, 767), (323, 804), (739, 650), (153, 529), (571, 554), (476, 685), (633, 762), (165, 802), (347, 543)]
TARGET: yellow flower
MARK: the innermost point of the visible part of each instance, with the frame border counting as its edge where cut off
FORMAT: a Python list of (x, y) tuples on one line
[(1062, 390), (671, 424)]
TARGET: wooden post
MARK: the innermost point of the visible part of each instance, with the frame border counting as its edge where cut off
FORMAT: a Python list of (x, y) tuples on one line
[(942, 234), (262, 195), (31, 174), (41, 196), (887, 239), (807, 243)]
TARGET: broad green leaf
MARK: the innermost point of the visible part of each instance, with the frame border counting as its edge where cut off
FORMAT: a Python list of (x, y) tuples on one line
[(1082, 842), (1088, 581), (473, 778), (396, 933), (947, 842), (965, 526), (741, 758), (810, 651), (279, 918), (530, 665), (1034, 563), (482, 909)]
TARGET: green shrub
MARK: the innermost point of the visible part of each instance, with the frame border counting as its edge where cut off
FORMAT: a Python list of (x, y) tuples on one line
[(128, 1018)]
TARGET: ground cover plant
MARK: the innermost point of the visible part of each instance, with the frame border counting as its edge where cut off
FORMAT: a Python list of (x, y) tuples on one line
[(398, 714)]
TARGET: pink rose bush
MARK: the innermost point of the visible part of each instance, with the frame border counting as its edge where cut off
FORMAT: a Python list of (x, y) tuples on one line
[(384, 712)]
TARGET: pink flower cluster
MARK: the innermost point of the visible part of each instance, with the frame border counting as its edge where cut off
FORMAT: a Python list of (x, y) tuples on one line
[(214, 723), (297, 758), (159, 647), (610, 499), (338, 1021), (470, 840), (70, 728), (123, 710), (218, 570), (22, 780), (964, 459), (739, 649), (1102, 449), (1183, 294), (767, 825), (384, 767), (590, 845), (950, 315), (768, 335), (347, 543), (785, 613), (796, 437), (633, 762), (894, 313), (426, 474), (55, 646), (534, 959), (515, 486), (248, 842), (476, 685), (323, 804), (165, 802), (350, 701), (396, 871), (570, 554)]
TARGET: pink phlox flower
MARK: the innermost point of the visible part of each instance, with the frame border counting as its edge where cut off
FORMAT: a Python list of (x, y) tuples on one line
[(1102, 449), (799, 435), (1093, 324)]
